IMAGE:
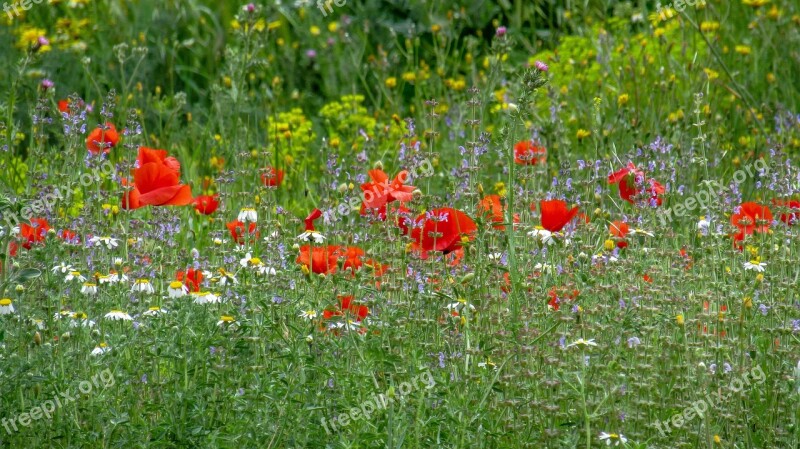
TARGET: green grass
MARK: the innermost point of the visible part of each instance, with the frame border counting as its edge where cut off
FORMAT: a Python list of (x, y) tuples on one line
[(463, 347)]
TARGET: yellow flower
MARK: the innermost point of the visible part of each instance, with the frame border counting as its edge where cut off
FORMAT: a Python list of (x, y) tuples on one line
[(333, 26), (410, 77), (748, 302), (679, 320), (622, 100), (709, 26), (711, 74), (717, 439), (315, 31), (582, 134), (743, 50), (609, 245), (754, 4), (391, 82)]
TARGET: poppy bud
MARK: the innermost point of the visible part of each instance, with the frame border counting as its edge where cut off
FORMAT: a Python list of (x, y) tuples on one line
[(37, 338), (378, 165)]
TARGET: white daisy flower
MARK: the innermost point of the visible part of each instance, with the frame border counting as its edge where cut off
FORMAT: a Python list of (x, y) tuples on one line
[(143, 286), (74, 275), (63, 268), (115, 277), (102, 278), (636, 231), (308, 314), (545, 236), (118, 261), (348, 325), (101, 349), (205, 298), (40, 324), (543, 267), (703, 224), (118, 315), (80, 319), (228, 321), (582, 343), (488, 364), (264, 270), (62, 314), (109, 242), (226, 277), (177, 289), (613, 438), (6, 307), (756, 265), (248, 214), (89, 288), (311, 236), (155, 311), (459, 306)]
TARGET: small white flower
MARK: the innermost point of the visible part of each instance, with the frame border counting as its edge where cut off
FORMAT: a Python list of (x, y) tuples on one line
[(80, 319), (311, 236), (109, 242), (582, 343), (756, 265), (545, 236), (177, 289), (89, 288), (63, 268), (640, 232), (225, 278), (205, 298), (6, 307), (703, 224), (40, 324), (543, 267), (248, 214), (155, 311), (62, 314), (117, 315), (74, 275), (143, 286), (613, 438), (459, 306), (488, 364), (308, 314), (227, 321), (114, 277), (101, 349)]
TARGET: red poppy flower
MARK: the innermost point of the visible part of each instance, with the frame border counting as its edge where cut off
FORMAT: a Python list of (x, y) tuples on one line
[(35, 232), (528, 153), (206, 204), (631, 181), (157, 180), (380, 191), (191, 278), (347, 306), (752, 217), (272, 177), (238, 231), (352, 258), (68, 236), (148, 155), (102, 139), (793, 205), (559, 295), (63, 105), (491, 207), (619, 230), (555, 214), (441, 230), (318, 259)]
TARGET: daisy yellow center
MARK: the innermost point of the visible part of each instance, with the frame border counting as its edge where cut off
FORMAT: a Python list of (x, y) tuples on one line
[(154, 309), (79, 315), (5, 302), (227, 318), (200, 293), (175, 284), (89, 284), (117, 311), (103, 345), (255, 261), (75, 273), (142, 281)]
